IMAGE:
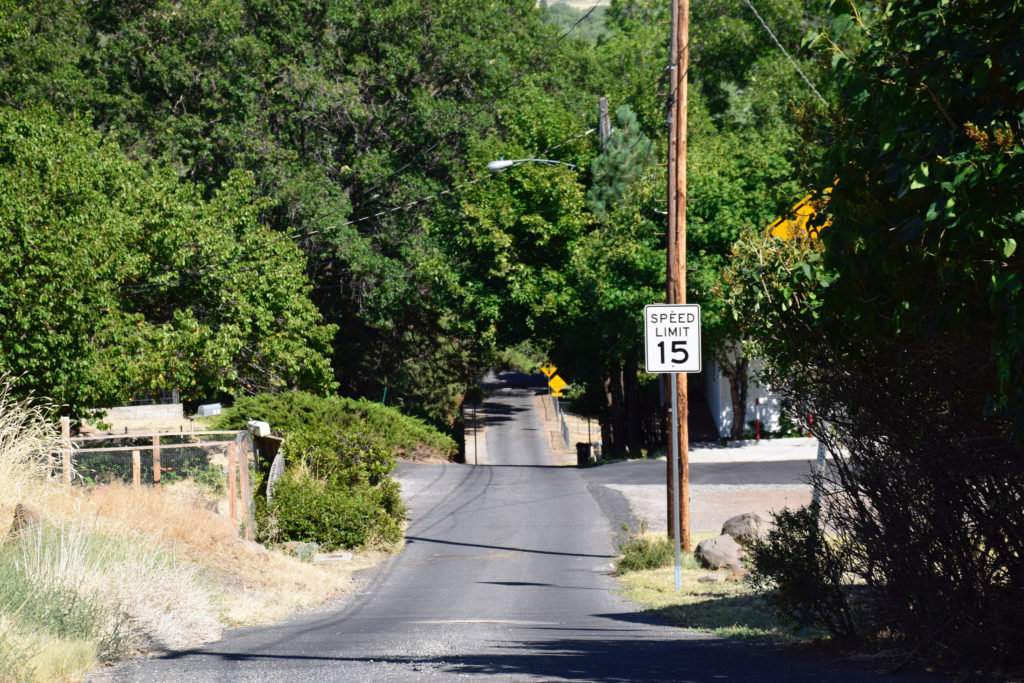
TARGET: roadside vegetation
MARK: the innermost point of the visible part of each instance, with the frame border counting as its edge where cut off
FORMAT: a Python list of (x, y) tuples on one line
[(101, 572), (237, 198), (335, 490), (708, 601)]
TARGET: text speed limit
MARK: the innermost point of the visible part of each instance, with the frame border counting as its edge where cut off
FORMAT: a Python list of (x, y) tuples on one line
[(672, 338)]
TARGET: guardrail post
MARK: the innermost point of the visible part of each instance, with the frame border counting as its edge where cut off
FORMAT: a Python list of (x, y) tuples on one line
[(243, 473)]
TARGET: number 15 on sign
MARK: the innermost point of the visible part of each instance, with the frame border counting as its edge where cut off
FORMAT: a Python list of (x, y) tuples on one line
[(672, 338)]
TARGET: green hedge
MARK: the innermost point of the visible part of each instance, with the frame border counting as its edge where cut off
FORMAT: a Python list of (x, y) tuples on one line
[(332, 513), (292, 411)]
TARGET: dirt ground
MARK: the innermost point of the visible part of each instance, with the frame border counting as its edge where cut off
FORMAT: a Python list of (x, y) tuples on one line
[(711, 505)]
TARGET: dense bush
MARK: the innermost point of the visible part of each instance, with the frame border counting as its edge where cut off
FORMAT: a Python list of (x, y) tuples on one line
[(292, 411), (332, 512), (801, 573), (338, 454), (901, 328)]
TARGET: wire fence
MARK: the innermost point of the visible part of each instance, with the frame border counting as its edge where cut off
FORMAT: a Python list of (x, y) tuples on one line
[(220, 461)]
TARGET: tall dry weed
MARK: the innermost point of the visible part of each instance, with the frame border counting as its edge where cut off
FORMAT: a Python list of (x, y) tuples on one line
[(27, 435)]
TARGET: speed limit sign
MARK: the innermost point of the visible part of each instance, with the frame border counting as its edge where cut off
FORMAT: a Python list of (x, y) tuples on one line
[(672, 338)]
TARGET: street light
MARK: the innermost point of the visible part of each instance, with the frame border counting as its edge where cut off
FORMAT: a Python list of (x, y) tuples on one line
[(502, 164)]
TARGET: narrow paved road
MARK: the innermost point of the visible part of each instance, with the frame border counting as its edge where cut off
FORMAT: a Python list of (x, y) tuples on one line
[(505, 577)]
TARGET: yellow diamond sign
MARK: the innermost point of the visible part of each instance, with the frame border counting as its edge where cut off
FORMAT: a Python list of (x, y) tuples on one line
[(557, 384), (548, 369)]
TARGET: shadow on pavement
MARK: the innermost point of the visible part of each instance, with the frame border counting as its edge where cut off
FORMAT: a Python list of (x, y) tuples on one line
[(611, 656)]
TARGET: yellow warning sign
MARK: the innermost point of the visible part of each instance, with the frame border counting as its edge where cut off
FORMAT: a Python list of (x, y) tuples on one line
[(800, 221), (557, 384), (548, 369)]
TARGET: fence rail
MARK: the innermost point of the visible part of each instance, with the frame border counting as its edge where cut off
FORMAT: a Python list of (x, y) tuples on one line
[(217, 459)]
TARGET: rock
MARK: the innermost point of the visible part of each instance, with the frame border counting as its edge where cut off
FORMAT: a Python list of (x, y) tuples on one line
[(25, 517), (330, 558), (720, 552), (257, 549), (745, 528), (710, 578)]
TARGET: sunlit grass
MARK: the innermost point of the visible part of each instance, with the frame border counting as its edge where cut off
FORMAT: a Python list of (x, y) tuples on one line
[(727, 609)]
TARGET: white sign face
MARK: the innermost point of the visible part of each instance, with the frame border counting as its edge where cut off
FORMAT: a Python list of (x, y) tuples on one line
[(672, 337)]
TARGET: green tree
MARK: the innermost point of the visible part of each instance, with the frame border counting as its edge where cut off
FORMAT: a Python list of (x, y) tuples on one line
[(118, 280), (904, 335)]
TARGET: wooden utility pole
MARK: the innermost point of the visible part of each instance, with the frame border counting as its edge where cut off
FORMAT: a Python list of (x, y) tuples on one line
[(679, 56)]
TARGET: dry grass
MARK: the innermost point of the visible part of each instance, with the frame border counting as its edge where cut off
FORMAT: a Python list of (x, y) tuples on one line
[(253, 585), (26, 436), (724, 608), (161, 559)]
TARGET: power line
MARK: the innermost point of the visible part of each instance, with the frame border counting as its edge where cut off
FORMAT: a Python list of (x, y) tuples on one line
[(791, 60)]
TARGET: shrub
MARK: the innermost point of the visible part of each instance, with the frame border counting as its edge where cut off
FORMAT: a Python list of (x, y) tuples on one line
[(801, 573), (293, 411), (332, 512), (640, 551)]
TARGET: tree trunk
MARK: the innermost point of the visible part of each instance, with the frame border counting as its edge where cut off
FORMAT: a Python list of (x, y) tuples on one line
[(618, 412), (737, 376), (632, 396)]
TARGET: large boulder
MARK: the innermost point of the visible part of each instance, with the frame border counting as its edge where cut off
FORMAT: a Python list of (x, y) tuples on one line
[(720, 552), (745, 528)]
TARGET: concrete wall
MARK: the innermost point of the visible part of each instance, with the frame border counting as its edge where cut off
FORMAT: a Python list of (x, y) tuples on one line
[(716, 386)]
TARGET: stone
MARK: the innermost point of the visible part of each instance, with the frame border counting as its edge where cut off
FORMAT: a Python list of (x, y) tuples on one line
[(720, 552), (25, 517), (710, 578), (745, 528)]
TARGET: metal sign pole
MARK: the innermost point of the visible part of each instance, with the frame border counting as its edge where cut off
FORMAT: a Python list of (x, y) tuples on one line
[(675, 477)]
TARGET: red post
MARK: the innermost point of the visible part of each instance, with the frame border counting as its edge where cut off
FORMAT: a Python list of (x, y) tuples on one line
[(810, 416), (757, 419)]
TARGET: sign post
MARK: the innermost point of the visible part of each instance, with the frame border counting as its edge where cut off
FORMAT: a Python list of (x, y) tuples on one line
[(672, 345)]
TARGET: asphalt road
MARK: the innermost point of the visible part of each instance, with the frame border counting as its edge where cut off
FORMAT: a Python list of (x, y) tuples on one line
[(505, 577), (640, 472)]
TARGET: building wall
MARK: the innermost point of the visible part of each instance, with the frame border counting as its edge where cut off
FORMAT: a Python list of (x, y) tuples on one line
[(720, 402)]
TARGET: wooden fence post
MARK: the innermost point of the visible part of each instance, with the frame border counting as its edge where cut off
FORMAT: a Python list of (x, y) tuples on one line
[(65, 453), (136, 470), (156, 460), (243, 473), (232, 484)]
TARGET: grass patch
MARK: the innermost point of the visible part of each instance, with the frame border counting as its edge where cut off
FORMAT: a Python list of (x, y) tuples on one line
[(728, 609)]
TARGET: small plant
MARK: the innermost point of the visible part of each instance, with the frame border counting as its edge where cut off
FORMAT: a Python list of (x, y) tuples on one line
[(801, 572), (641, 551)]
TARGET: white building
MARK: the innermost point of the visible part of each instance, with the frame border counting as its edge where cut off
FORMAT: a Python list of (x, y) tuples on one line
[(760, 401)]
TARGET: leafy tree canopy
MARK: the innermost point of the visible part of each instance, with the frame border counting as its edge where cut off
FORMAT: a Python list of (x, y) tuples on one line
[(119, 280)]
